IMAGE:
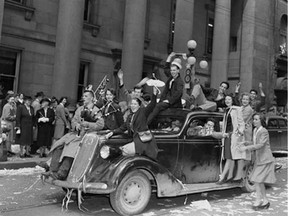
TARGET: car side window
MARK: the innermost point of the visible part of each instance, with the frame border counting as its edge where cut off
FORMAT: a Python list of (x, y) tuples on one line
[(282, 123), (202, 127), (273, 123)]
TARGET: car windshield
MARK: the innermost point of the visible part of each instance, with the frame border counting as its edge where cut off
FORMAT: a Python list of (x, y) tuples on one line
[(167, 124)]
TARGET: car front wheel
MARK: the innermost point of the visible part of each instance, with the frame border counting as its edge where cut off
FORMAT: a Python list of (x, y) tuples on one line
[(132, 194)]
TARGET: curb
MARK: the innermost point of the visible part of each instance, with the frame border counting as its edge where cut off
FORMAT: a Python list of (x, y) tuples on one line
[(20, 164)]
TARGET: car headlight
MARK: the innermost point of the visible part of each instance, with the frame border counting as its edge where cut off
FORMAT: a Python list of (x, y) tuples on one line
[(105, 151)]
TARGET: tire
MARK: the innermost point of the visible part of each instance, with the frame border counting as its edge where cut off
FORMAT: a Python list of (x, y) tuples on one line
[(132, 194), (248, 186)]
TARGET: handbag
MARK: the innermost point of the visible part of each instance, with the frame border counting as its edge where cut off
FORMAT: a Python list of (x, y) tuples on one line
[(145, 136)]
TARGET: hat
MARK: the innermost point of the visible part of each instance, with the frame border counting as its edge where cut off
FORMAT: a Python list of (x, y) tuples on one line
[(177, 64), (45, 100), (27, 98), (39, 94)]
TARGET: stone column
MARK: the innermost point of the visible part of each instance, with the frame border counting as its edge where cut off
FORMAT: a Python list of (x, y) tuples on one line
[(184, 18), (1, 16), (221, 38), (133, 41), (67, 50)]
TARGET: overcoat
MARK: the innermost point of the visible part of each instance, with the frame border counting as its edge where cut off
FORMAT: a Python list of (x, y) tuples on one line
[(9, 115), (139, 124), (45, 129), (25, 120), (60, 121), (236, 137), (247, 113)]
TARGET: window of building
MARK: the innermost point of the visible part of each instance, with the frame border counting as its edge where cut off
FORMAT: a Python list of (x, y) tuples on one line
[(9, 69), (17, 1), (87, 10), (283, 34), (209, 35), (83, 78)]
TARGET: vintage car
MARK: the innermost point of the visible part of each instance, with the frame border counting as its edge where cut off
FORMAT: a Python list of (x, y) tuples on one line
[(186, 163), (277, 128)]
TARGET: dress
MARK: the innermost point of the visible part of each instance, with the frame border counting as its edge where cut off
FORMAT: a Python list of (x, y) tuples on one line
[(263, 170), (60, 122), (227, 141)]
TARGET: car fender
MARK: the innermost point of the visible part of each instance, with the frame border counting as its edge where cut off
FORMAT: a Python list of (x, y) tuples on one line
[(167, 184)]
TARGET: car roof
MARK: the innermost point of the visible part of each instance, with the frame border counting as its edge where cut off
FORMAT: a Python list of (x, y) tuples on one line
[(274, 117)]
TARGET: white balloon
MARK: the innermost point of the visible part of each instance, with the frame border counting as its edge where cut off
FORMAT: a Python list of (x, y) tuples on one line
[(203, 64), (191, 60), (191, 44)]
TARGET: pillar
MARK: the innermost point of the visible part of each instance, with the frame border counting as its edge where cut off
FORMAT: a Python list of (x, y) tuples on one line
[(133, 41), (1, 16), (67, 50), (221, 38), (184, 16)]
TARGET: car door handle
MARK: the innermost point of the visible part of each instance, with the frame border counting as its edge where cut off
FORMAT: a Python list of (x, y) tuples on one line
[(279, 131)]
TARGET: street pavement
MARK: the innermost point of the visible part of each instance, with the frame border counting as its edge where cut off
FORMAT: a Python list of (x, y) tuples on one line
[(23, 194)]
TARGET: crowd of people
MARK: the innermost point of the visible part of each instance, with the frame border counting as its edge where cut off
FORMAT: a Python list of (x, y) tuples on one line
[(133, 111)]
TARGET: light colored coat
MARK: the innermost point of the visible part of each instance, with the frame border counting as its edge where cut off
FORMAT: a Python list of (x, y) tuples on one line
[(60, 121), (262, 146), (236, 138), (247, 113)]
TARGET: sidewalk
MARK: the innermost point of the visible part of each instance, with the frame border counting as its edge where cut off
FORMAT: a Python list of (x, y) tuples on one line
[(17, 162)]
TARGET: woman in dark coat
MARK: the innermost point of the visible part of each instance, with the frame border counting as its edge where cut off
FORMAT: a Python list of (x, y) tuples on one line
[(44, 118), (24, 126), (137, 124), (111, 111)]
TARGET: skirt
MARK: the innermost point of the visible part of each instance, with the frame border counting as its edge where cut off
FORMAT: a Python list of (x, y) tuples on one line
[(264, 173), (227, 148)]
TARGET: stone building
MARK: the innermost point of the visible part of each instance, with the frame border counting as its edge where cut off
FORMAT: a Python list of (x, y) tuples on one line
[(60, 46)]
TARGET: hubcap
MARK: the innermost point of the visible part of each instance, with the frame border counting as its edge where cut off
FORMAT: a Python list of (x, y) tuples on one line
[(132, 193)]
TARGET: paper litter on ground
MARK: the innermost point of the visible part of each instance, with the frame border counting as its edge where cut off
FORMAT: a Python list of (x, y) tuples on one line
[(201, 204)]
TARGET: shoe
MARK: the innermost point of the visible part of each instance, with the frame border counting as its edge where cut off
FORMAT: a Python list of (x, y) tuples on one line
[(58, 176), (43, 165), (11, 153), (266, 206), (256, 207), (22, 156), (28, 155), (220, 182)]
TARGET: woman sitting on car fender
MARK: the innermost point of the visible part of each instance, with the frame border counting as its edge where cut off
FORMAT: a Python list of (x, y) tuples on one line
[(143, 140)]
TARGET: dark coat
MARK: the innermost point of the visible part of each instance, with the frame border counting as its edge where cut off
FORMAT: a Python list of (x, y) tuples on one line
[(174, 94), (113, 117), (211, 95), (139, 124), (25, 121), (45, 129)]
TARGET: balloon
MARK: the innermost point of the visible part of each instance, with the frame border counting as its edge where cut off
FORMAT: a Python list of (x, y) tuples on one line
[(203, 64), (191, 60), (191, 44)]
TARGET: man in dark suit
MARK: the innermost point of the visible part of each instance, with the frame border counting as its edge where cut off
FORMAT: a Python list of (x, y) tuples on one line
[(171, 96)]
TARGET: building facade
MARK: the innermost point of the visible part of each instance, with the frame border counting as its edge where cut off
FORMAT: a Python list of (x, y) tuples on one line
[(60, 46)]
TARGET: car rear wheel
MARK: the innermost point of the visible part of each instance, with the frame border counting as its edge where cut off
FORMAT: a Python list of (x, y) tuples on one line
[(248, 185), (132, 194)]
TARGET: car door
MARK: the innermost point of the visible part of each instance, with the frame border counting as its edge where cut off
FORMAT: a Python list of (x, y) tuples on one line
[(200, 161), (274, 133), (282, 131)]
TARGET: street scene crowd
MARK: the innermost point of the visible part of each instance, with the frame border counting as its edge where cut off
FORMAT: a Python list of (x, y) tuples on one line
[(45, 124)]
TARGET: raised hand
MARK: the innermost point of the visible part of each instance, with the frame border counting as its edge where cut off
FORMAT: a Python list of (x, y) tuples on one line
[(260, 85), (120, 74)]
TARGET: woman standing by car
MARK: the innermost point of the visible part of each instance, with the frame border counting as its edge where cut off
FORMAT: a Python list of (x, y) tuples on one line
[(9, 115), (44, 118), (111, 111), (232, 130), (136, 124), (24, 125), (263, 171)]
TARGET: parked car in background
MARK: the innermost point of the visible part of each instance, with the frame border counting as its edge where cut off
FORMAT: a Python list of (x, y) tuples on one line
[(277, 127)]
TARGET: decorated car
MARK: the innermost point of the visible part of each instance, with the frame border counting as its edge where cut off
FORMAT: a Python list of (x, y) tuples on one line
[(188, 161)]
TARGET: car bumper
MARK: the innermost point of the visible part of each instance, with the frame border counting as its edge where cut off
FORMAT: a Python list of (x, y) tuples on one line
[(93, 187)]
